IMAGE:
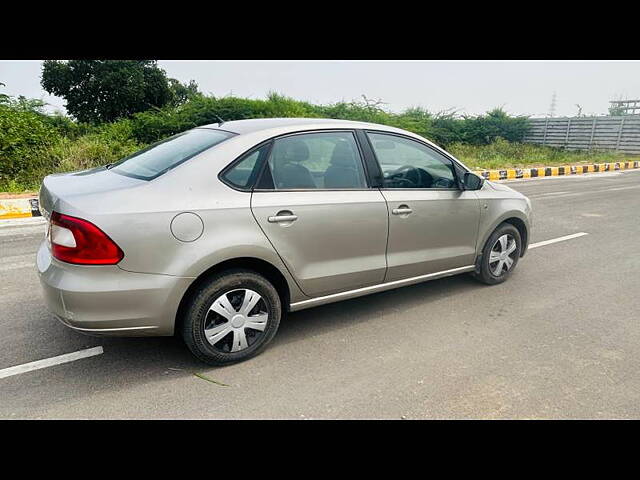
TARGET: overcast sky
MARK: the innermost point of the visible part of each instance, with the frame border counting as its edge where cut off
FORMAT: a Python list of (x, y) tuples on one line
[(471, 87)]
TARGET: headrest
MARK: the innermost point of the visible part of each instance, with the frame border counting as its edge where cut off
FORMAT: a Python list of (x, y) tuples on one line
[(343, 155), (295, 151)]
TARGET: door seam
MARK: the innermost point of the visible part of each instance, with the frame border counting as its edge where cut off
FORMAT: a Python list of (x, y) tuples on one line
[(274, 248), (386, 248)]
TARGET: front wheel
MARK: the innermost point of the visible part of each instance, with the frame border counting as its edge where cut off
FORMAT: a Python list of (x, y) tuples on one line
[(231, 317), (500, 255)]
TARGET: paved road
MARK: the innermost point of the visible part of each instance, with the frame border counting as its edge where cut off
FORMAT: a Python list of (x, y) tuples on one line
[(560, 339)]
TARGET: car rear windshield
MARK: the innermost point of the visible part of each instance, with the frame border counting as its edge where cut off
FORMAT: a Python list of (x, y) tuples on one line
[(161, 157)]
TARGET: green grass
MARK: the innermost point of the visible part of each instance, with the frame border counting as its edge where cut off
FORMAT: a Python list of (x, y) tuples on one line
[(502, 154), (211, 380)]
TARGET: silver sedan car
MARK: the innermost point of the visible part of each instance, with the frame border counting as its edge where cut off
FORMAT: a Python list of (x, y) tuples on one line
[(216, 232)]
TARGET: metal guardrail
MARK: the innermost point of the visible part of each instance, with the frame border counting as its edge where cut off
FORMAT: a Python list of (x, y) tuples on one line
[(620, 133)]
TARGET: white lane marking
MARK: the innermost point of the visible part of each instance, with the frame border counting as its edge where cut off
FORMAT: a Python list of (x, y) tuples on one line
[(21, 232), (49, 362), (15, 258), (619, 188), (556, 240), (548, 194), (17, 261), (22, 222), (575, 194), (16, 266)]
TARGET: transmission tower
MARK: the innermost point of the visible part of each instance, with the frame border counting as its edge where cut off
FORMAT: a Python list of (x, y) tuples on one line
[(552, 108)]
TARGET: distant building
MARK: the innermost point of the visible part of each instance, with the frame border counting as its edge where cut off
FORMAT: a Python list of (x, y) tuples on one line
[(624, 107)]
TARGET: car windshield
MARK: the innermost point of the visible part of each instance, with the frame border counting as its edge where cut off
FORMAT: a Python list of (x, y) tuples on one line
[(156, 159)]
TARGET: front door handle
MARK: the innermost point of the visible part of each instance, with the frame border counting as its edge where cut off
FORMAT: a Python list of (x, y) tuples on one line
[(402, 210)]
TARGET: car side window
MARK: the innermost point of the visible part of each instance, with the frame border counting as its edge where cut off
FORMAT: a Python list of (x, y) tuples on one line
[(409, 164), (322, 160), (244, 172)]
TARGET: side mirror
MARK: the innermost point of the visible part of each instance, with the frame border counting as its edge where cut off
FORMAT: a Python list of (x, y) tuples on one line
[(472, 181)]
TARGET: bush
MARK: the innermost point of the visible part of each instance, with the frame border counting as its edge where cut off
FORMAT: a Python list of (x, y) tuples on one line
[(484, 129), (23, 135), (153, 125), (443, 129), (32, 146)]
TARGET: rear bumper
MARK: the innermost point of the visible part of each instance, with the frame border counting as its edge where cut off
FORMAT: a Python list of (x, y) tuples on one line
[(107, 300)]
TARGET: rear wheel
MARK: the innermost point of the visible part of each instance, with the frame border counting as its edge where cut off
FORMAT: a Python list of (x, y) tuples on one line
[(500, 255), (231, 317)]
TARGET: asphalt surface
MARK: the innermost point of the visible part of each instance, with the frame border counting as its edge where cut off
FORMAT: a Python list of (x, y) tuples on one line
[(560, 339)]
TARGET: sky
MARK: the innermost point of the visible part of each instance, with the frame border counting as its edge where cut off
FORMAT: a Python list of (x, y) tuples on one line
[(468, 87)]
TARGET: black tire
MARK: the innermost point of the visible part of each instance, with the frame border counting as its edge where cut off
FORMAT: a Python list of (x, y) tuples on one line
[(198, 314), (486, 274)]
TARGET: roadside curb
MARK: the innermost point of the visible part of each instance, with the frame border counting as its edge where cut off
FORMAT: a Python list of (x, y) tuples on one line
[(519, 173), (19, 208)]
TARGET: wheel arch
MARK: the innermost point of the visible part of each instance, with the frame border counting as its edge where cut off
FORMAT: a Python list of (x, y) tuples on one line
[(515, 218), (258, 265), (523, 229)]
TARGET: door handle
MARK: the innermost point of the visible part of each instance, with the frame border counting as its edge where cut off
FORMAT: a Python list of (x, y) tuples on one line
[(282, 218), (402, 210)]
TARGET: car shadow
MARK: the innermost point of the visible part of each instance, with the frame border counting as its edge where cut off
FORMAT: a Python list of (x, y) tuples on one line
[(314, 321)]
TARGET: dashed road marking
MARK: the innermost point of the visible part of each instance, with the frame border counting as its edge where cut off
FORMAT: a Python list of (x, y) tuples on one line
[(576, 194), (556, 240)]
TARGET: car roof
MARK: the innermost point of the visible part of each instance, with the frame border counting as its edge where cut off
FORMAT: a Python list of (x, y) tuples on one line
[(268, 127), (258, 124)]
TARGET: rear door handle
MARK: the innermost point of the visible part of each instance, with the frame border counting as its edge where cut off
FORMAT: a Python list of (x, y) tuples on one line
[(402, 210), (282, 218)]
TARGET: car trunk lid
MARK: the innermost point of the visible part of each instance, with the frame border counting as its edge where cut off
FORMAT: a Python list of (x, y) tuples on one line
[(64, 192)]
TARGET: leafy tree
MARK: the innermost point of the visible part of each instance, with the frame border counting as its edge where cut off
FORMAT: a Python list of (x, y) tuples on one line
[(4, 98), (616, 110), (181, 93), (99, 91)]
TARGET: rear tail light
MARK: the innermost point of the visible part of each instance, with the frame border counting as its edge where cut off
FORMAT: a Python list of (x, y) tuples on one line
[(74, 240)]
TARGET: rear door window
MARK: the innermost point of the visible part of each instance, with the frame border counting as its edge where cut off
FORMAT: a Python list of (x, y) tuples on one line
[(161, 157), (322, 160)]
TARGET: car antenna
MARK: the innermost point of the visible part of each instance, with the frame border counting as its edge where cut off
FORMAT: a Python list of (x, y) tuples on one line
[(220, 120)]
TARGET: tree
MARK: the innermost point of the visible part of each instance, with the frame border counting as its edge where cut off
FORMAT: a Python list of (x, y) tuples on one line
[(4, 98), (616, 110), (182, 93), (106, 90)]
